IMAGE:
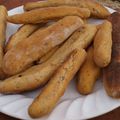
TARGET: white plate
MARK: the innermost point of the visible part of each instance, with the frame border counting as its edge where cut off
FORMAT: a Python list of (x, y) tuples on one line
[(72, 106)]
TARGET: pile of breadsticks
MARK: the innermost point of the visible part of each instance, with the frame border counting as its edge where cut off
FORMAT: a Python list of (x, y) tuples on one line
[(54, 43)]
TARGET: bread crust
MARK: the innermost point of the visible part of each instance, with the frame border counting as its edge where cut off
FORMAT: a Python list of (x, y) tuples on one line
[(96, 9), (43, 15), (88, 74), (23, 32), (103, 45), (48, 55), (49, 96)]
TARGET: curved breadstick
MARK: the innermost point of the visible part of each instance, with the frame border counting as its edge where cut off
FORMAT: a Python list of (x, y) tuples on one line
[(96, 9), (23, 32), (43, 15), (88, 74), (49, 96), (3, 22), (38, 44), (103, 45), (40, 74)]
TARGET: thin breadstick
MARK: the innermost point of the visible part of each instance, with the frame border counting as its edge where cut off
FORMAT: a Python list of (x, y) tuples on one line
[(43, 15), (88, 74), (49, 96)]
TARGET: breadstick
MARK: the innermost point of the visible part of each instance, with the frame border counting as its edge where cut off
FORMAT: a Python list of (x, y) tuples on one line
[(38, 4), (38, 75), (103, 45), (47, 99), (88, 74), (43, 15), (3, 16), (25, 53), (96, 9), (23, 32)]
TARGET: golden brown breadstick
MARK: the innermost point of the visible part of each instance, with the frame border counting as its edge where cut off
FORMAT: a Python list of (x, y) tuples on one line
[(88, 74), (103, 45), (39, 4), (3, 16), (46, 101), (43, 15), (23, 32), (48, 55), (40, 74), (25, 53), (96, 9)]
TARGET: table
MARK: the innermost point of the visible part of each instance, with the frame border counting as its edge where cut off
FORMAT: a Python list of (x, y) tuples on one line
[(114, 115)]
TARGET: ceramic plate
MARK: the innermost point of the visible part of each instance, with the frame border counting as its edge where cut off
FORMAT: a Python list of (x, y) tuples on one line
[(72, 106)]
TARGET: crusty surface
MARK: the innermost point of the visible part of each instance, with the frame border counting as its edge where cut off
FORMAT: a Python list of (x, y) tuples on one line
[(38, 44), (38, 75), (3, 22), (103, 45), (23, 32), (34, 5), (88, 74), (42, 15), (46, 101), (96, 9), (111, 74), (48, 55)]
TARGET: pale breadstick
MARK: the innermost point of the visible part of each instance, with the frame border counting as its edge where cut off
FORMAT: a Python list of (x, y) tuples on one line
[(49, 96), (23, 55), (103, 45), (40, 74), (43, 15), (23, 32), (88, 74), (3, 22), (96, 9)]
